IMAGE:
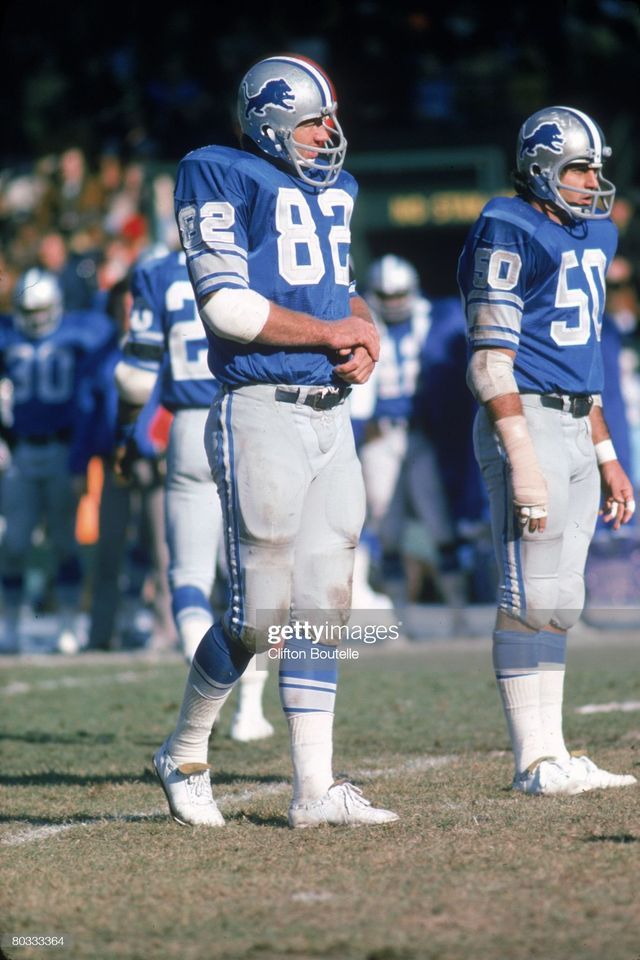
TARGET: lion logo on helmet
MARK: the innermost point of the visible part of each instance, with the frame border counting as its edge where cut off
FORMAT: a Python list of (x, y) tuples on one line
[(274, 93), (547, 135)]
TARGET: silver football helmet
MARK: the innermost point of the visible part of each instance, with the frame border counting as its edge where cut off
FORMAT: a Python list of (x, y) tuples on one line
[(549, 141), (392, 288), (37, 300), (275, 96)]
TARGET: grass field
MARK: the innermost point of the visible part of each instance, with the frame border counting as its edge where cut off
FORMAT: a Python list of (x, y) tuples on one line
[(471, 872)]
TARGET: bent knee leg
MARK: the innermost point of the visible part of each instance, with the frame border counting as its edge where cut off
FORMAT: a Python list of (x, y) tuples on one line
[(261, 597), (536, 606), (570, 602)]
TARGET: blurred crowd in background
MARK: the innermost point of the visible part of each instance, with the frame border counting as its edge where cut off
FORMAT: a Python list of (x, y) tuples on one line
[(100, 106)]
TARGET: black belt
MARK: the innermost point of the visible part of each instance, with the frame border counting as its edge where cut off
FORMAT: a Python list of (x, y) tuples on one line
[(323, 399), (577, 404), (42, 439)]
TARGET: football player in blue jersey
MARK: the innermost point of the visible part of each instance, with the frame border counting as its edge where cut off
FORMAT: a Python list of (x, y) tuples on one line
[(46, 354), (532, 274), (166, 348), (405, 492), (266, 232)]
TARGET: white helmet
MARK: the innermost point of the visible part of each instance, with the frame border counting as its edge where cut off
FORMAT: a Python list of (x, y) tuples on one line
[(549, 141), (392, 288), (37, 302), (281, 92)]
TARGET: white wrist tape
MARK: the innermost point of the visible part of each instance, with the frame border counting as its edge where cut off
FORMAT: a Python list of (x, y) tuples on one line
[(134, 384), (597, 399), (236, 314), (490, 375), (529, 485), (605, 451)]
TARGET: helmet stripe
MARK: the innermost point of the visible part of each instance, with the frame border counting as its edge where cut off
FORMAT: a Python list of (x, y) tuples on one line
[(592, 130), (326, 88)]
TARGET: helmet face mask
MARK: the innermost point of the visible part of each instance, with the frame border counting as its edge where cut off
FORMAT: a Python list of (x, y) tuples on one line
[(37, 303), (552, 140), (276, 96), (393, 286)]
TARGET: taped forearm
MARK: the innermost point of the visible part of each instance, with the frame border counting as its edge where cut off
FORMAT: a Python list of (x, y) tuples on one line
[(133, 383), (528, 482), (490, 374)]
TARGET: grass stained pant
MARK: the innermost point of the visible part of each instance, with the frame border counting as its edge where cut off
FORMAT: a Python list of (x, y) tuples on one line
[(541, 575), (293, 501)]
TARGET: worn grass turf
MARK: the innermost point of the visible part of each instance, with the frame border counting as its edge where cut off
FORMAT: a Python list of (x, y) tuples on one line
[(471, 872)]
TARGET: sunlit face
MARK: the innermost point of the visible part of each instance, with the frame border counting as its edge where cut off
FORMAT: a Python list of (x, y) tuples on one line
[(312, 134), (578, 176)]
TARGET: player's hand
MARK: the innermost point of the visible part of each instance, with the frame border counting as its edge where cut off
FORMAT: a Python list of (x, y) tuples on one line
[(354, 332), (124, 458), (619, 502), (530, 498), (357, 368)]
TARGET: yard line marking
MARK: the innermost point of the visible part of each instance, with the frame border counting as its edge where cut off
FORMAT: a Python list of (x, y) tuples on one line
[(225, 801), (19, 686), (615, 706), (413, 765)]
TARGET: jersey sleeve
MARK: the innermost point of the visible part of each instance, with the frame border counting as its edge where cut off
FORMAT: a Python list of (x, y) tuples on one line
[(491, 276), (211, 210)]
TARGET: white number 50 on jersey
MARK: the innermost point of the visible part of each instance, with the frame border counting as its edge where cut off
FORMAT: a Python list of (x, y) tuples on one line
[(592, 262), (501, 271)]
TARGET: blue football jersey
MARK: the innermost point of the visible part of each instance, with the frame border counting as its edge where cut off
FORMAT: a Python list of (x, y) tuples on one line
[(399, 365), (538, 287), (246, 223), (47, 372), (166, 333)]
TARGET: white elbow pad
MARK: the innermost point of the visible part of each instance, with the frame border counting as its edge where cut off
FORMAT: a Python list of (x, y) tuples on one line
[(236, 314), (490, 374), (134, 384)]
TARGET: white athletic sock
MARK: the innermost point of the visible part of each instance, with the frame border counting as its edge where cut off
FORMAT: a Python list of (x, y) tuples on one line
[(551, 696), (191, 630), (521, 701), (189, 742), (250, 689), (311, 752)]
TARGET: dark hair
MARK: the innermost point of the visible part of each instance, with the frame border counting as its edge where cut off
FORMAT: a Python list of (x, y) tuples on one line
[(521, 185)]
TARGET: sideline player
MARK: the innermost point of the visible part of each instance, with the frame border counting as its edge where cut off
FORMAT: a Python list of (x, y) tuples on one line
[(165, 354), (405, 492), (47, 354), (532, 273), (266, 233)]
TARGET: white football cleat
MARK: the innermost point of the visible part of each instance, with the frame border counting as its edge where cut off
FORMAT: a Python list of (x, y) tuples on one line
[(552, 778), (342, 805), (188, 791), (245, 728), (598, 779)]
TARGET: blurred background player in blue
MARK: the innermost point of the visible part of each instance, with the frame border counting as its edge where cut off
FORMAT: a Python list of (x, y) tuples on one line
[(47, 355), (128, 587), (409, 507), (165, 356)]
